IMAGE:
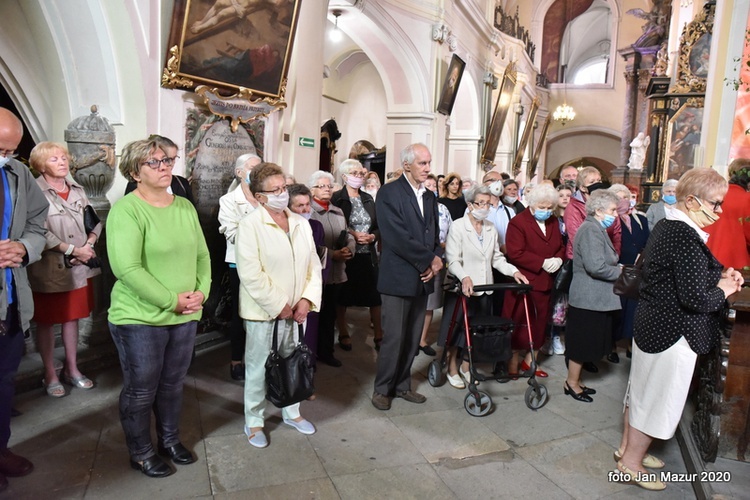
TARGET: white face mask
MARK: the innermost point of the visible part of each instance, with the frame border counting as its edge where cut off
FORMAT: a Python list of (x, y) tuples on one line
[(3, 161), (277, 201), (480, 213), (510, 199)]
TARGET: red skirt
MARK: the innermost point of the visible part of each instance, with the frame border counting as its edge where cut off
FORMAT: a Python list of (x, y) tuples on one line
[(539, 311), (61, 307)]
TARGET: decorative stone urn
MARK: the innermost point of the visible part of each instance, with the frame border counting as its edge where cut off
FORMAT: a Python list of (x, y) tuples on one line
[(91, 142)]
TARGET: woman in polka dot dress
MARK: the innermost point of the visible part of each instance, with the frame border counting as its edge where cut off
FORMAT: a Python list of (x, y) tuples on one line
[(684, 287)]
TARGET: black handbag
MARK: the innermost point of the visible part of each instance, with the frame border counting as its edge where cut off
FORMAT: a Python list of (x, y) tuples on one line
[(289, 380), (90, 219), (564, 277), (628, 284)]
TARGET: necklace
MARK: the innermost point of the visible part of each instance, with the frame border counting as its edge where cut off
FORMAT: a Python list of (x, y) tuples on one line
[(64, 189)]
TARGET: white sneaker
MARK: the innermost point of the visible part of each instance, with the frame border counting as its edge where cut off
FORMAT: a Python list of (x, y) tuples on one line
[(557, 346), (455, 381), (257, 439), (303, 426)]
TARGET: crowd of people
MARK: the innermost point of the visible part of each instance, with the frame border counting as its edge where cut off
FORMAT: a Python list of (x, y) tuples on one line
[(303, 253)]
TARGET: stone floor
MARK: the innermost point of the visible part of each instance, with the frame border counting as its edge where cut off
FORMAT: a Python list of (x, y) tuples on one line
[(435, 450)]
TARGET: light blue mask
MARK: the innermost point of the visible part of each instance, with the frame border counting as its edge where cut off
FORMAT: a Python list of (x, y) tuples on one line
[(542, 215), (3, 161), (669, 199), (247, 178), (608, 220)]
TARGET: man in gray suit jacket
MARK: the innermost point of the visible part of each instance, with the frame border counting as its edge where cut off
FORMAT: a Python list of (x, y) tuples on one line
[(407, 217)]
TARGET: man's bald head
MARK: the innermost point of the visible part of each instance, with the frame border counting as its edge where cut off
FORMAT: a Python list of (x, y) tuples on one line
[(11, 130)]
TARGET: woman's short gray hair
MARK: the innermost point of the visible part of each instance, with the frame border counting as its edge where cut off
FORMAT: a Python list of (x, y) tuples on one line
[(543, 193), (317, 175), (620, 188), (472, 193), (670, 183), (601, 199), (347, 165), (243, 159)]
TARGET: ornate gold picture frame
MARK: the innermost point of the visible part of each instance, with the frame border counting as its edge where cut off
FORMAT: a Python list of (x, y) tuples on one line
[(695, 44), (683, 136), (242, 46)]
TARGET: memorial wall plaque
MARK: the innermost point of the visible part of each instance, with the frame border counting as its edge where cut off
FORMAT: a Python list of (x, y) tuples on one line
[(211, 176)]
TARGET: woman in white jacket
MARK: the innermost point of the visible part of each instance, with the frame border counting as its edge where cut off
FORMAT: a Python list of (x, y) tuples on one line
[(471, 251), (233, 207), (280, 280)]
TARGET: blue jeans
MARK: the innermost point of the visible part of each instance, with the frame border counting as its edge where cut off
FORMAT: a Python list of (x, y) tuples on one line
[(154, 362)]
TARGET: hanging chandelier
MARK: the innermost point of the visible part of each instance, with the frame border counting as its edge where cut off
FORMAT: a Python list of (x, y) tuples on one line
[(564, 114)]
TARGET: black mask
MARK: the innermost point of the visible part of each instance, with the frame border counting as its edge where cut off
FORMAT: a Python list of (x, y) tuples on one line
[(597, 185)]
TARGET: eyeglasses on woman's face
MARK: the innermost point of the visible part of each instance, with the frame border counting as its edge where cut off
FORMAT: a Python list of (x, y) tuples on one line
[(323, 186), (715, 205), (155, 164), (277, 191)]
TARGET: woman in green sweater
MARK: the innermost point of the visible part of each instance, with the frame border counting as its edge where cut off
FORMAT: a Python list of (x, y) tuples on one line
[(159, 256)]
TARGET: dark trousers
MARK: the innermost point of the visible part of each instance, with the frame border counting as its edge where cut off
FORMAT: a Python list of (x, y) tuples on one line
[(236, 325), (403, 319), (327, 320), (154, 362), (11, 351)]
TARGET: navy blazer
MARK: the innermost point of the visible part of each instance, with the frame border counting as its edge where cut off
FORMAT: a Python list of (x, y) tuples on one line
[(410, 239)]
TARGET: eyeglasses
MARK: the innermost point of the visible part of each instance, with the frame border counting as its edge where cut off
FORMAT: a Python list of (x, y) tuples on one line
[(357, 174), (8, 153), (276, 192), (481, 204), (714, 204), (323, 186), (154, 164)]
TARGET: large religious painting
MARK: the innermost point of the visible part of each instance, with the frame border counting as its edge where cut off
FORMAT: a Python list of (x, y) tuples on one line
[(450, 85), (694, 55), (495, 129), (683, 136), (231, 44), (527, 130)]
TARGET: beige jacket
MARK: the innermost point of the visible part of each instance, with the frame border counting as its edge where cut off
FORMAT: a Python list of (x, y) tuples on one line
[(64, 224), (233, 207), (466, 255), (275, 268)]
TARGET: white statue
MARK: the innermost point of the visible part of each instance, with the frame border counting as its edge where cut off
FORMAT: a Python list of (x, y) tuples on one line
[(638, 151)]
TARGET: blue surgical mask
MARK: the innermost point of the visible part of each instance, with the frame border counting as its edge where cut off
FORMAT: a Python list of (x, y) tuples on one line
[(542, 215), (306, 215), (608, 220), (247, 178), (3, 161), (669, 199), (632, 203)]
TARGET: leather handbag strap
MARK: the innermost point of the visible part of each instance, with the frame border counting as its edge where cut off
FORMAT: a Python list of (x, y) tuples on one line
[(275, 345)]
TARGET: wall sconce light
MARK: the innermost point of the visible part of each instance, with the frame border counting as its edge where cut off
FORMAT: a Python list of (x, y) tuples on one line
[(335, 35)]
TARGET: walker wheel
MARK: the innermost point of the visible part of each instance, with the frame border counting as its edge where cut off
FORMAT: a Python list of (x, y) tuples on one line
[(435, 374), (479, 404), (536, 396)]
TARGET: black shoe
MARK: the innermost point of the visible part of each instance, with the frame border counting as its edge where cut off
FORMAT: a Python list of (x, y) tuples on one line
[(578, 396), (588, 390), (613, 357), (330, 361), (153, 466), (178, 453), (237, 372), (345, 347), (590, 367), (427, 350)]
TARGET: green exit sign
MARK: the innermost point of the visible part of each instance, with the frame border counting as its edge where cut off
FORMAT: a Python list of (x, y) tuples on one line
[(307, 142)]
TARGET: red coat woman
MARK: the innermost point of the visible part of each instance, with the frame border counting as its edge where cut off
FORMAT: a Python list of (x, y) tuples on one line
[(535, 246)]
